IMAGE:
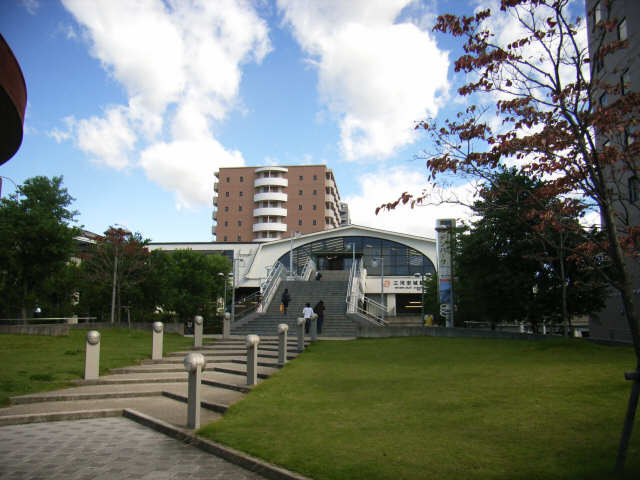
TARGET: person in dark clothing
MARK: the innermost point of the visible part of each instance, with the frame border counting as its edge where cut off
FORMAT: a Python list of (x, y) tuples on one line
[(319, 310), (286, 298)]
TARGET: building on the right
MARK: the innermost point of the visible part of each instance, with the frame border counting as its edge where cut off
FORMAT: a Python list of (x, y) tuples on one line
[(620, 68)]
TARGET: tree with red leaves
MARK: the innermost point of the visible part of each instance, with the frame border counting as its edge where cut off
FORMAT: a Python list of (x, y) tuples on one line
[(562, 117)]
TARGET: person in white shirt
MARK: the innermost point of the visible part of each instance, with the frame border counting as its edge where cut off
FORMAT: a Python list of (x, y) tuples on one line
[(307, 313)]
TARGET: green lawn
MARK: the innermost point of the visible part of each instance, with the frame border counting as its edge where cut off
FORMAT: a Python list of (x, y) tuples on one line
[(37, 363), (440, 409)]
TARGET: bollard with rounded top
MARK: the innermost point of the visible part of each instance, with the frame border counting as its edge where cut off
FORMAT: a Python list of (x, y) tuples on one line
[(92, 356), (283, 328), (300, 331), (314, 327), (226, 325), (197, 330), (194, 363), (252, 359), (158, 335)]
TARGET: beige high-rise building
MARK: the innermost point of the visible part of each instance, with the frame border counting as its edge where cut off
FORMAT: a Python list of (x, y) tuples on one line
[(261, 204)]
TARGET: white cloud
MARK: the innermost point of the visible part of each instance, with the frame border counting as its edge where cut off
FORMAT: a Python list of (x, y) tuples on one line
[(179, 63), (31, 6), (108, 140), (376, 75), (386, 186), (186, 167)]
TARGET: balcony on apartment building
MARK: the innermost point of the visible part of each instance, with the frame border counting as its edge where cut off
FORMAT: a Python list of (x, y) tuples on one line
[(269, 212), (266, 196)]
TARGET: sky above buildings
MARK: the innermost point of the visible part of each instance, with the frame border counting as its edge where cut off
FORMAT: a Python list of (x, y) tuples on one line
[(137, 103)]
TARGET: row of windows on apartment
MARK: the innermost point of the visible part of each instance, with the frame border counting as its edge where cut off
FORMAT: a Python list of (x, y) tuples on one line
[(300, 193), (313, 207), (314, 222), (300, 177)]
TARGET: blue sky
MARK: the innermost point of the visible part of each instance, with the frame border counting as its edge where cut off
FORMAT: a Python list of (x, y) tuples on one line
[(136, 104)]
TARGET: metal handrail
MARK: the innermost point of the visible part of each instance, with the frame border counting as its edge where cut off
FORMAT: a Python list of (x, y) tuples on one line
[(353, 300), (270, 286), (309, 268)]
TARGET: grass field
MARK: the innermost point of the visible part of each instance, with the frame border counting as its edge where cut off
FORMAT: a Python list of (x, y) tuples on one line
[(438, 408), (37, 363)]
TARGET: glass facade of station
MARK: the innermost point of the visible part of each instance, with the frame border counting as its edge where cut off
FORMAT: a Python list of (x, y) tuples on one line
[(338, 253)]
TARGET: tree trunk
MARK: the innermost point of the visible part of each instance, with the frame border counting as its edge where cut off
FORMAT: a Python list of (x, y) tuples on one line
[(626, 290)]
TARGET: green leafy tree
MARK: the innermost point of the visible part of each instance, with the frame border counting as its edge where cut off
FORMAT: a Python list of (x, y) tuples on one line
[(36, 240), (113, 273), (191, 282), (511, 266)]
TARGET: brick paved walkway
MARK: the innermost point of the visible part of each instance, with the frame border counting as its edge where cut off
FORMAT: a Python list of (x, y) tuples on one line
[(105, 448)]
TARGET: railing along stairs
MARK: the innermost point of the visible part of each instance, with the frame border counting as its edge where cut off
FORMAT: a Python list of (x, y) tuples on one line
[(270, 286), (357, 302)]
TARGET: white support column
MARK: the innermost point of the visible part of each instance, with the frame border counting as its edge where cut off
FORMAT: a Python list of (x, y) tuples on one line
[(158, 337), (194, 363), (197, 331), (300, 331), (92, 356), (226, 325), (282, 343), (252, 359)]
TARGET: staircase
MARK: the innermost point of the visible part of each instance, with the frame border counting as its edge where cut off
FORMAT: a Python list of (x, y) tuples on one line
[(332, 289)]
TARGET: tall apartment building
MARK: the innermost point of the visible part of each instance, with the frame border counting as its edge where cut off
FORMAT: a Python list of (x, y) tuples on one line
[(261, 204), (620, 68)]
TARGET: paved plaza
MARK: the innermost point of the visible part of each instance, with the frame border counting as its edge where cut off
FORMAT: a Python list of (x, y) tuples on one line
[(105, 448)]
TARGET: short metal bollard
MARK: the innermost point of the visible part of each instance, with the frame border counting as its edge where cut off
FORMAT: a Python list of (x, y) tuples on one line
[(194, 363), (92, 356), (314, 327), (300, 331), (197, 331), (226, 325), (158, 335), (252, 359), (283, 328)]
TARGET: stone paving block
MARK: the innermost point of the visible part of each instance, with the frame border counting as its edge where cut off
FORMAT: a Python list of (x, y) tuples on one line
[(108, 448)]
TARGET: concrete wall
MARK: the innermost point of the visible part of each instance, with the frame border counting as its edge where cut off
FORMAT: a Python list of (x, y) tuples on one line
[(52, 330)]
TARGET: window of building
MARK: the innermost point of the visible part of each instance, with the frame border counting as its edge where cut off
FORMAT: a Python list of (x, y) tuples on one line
[(240, 193), (300, 177), (599, 13), (239, 208), (239, 223), (299, 222), (625, 82), (603, 100), (315, 207), (224, 239), (599, 61), (634, 189), (241, 178), (315, 222), (622, 30), (228, 179), (239, 238), (226, 209), (226, 223), (226, 194), (299, 206), (315, 192), (315, 177), (300, 192)]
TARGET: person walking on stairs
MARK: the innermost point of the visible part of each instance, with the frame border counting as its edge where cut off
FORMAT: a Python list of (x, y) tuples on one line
[(319, 309), (307, 313), (286, 298)]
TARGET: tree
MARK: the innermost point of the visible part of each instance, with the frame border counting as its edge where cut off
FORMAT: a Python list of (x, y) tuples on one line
[(510, 255), (114, 270), (191, 280), (565, 118), (36, 240)]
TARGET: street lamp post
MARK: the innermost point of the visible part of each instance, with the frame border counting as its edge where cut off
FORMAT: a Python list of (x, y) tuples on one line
[(293, 236)]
